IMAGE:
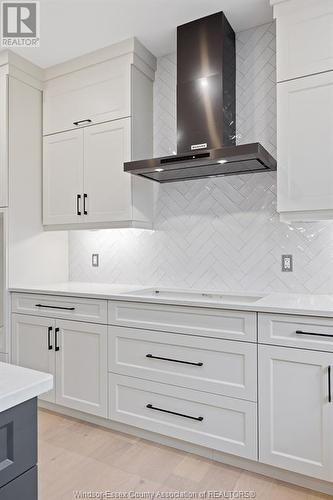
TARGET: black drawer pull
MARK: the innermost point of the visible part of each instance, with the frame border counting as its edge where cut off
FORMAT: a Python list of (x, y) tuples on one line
[(56, 332), (85, 196), (56, 307), (174, 360), (78, 203), (299, 332), (151, 407), (49, 331), (82, 122), (329, 370)]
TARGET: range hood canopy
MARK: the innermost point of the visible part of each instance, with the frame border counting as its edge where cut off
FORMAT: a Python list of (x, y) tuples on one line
[(206, 110)]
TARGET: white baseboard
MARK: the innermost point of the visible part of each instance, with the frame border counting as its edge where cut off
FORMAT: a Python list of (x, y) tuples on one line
[(242, 463)]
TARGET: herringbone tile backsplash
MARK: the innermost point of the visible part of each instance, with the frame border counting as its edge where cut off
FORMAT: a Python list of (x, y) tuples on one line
[(221, 233)]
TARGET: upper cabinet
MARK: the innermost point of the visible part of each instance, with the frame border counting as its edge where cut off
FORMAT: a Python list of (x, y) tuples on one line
[(62, 177), (304, 109), (98, 114), (304, 37), (305, 148), (91, 95), (84, 182)]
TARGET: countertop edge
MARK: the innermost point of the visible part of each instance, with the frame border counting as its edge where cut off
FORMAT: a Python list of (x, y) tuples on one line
[(11, 400), (128, 297), (20, 384)]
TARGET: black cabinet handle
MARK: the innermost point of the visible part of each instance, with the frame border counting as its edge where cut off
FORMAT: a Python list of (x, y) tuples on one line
[(56, 307), (49, 332), (56, 332), (85, 196), (174, 360), (78, 204), (300, 332), (329, 370), (151, 407), (81, 122)]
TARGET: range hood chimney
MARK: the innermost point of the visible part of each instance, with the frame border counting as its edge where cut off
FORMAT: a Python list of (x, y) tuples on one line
[(206, 114)]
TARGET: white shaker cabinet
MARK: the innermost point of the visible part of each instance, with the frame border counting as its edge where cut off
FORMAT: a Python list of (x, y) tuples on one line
[(84, 181), (106, 147), (81, 366), (3, 138), (63, 177), (74, 352), (304, 109), (33, 345), (98, 114), (304, 37), (305, 148), (296, 410), (90, 95)]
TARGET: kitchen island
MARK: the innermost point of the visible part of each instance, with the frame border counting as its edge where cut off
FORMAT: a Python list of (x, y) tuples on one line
[(19, 388)]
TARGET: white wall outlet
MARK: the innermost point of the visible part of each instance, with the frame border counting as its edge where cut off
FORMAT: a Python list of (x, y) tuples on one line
[(95, 260), (287, 263)]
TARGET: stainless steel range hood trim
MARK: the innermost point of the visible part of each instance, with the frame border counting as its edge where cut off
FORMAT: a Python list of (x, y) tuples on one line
[(183, 163)]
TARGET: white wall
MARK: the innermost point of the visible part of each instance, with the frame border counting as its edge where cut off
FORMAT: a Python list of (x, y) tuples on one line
[(221, 233)]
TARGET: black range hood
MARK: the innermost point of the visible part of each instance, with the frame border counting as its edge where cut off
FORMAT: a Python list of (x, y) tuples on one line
[(206, 114)]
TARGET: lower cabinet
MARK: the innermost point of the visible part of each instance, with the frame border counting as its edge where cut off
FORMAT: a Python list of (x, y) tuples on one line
[(296, 410), (74, 352), (25, 486), (221, 423), (183, 384), (32, 343), (81, 367)]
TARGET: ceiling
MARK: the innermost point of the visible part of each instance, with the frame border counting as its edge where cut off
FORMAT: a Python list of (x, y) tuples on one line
[(70, 28)]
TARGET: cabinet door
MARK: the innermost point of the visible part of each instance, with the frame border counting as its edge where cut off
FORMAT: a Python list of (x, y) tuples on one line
[(305, 147), (4, 139), (295, 415), (95, 94), (81, 366), (63, 178), (33, 345), (304, 38), (107, 186)]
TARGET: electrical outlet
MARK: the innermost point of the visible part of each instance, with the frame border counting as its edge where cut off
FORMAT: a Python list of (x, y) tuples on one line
[(287, 263), (95, 260)]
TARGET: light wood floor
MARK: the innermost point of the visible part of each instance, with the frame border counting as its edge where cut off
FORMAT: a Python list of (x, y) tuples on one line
[(76, 456)]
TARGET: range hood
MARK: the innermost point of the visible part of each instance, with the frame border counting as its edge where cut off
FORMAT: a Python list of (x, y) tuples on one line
[(206, 110)]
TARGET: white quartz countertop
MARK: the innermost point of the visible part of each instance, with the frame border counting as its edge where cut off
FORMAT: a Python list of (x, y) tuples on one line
[(19, 384), (288, 303)]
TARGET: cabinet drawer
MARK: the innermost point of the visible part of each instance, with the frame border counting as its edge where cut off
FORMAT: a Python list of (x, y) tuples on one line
[(296, 331), (90, 310), (211, 365), (234, 325), (25, 486), (217, 422), (18, 440)]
